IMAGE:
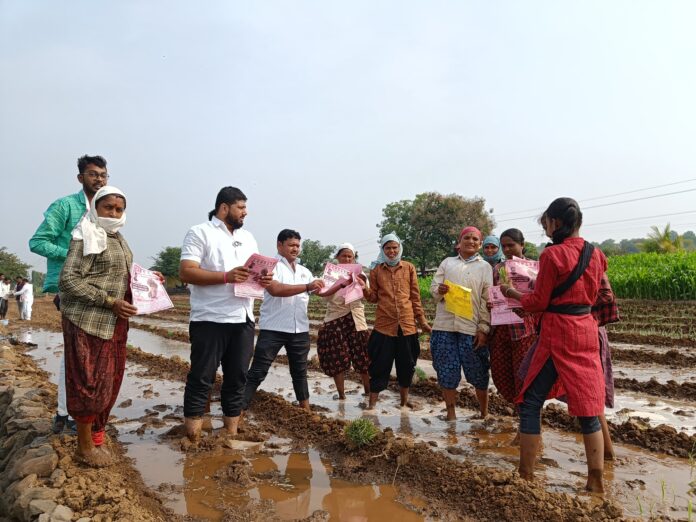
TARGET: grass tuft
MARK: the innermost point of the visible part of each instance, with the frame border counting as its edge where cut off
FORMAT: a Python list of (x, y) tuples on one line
[(361, 432)]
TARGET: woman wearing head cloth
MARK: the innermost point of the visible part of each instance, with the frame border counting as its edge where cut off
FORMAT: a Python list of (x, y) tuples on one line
[(459, 343), (394, 338), (491, 250), (343, 337), (95, 305), (509, 343)]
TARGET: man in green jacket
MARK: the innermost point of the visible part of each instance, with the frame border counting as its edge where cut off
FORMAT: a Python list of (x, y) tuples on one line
[(52, 239)]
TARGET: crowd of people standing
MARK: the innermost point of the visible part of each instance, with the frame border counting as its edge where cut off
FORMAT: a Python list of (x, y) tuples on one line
[(558, 350)]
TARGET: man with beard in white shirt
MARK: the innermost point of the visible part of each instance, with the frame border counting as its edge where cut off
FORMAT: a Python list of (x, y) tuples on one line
[(221, 327)]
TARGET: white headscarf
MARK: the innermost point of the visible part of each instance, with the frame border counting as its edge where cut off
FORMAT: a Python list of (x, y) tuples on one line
[(92, 229), (343, 246)]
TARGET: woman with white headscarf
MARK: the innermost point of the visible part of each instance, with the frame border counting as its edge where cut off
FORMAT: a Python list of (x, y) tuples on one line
[(394, 338), (343, 337), (95, 305)]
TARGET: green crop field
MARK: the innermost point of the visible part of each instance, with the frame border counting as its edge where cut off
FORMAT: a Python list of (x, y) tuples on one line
[(654, 276)]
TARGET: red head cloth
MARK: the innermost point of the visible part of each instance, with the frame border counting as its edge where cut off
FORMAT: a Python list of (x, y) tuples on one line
[(466, 230)]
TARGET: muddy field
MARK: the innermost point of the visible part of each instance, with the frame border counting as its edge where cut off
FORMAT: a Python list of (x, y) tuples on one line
[(300, 466)]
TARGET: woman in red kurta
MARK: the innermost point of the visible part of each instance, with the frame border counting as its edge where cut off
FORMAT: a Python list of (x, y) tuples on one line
[(566, 361)]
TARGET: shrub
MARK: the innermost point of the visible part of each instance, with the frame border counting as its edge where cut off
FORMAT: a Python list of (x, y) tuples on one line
[(361, 432)]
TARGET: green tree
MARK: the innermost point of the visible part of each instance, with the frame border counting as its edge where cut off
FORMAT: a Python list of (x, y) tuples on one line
[(430, 224), (37, 281), (11, 265), (663, 241), (609, 247), (530, 250), (314, 255), (167, 262)]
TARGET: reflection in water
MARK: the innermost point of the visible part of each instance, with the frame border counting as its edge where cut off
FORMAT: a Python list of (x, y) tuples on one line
[(298, 484)]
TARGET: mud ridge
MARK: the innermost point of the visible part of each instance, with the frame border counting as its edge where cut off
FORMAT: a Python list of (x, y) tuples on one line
[(38, 475), (657, 340), (476, 492), (673, 389), (670, 359), (659, 439)]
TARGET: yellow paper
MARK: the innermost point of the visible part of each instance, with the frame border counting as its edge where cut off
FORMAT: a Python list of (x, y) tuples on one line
[(458, 300)]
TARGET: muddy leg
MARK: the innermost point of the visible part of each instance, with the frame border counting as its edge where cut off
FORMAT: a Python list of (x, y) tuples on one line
[(482, 396), (340, 380), (366, 382), (594, 449), (86, 451), (373, 401), (529, 447), (450, 397), (193, 427), (608, 446), (231, 424), (304, 404), (404, 396)]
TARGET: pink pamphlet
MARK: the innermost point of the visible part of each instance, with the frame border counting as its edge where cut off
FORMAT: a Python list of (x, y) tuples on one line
[(334, 276), (354, 291), (522, 273), (501, 308), (149, 294), (258, 266)]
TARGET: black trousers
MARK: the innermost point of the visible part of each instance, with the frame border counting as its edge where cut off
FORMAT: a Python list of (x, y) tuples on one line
[(268, 345), (384, 351), (213, 344)]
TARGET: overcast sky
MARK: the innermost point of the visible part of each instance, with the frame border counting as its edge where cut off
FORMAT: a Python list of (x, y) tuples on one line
[(324, 112)]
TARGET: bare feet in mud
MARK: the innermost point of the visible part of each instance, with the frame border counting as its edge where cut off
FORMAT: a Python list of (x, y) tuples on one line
[(339, 397), (231, 425), (97, 457), (193, 427), (516, 440), (594, 481), (411, 405)]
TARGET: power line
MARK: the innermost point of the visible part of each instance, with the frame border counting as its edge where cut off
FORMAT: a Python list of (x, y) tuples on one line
[(639, 218), (607, 196), (610, 204)]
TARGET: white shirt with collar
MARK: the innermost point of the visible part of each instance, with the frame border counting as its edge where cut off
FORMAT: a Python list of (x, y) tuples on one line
[(217, 249), (5, 291), (286, 314)]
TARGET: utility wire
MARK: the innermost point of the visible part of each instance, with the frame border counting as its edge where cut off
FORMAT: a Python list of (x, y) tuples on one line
[(608, 204), (608, 195)]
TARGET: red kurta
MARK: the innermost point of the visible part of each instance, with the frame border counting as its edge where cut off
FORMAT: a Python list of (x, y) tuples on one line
[(571, 341)]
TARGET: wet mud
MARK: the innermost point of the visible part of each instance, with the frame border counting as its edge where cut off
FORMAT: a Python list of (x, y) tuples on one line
[(684, 390), (53, 483)]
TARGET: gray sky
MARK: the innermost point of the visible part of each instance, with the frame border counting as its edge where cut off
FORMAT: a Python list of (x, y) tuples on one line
[(324, 112)]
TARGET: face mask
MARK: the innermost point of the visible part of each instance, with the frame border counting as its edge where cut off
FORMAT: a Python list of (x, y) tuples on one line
[(111, 225)]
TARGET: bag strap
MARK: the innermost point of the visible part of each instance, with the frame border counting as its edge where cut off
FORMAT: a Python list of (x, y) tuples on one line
[(583, 263)]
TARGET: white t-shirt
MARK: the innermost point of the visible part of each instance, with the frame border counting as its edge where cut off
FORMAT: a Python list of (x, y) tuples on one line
[(286, 314), (216, 249)]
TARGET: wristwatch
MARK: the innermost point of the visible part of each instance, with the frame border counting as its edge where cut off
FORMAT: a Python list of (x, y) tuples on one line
[(109, 302)]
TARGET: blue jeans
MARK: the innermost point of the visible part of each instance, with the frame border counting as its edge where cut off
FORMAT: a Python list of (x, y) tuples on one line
[(534, 397)]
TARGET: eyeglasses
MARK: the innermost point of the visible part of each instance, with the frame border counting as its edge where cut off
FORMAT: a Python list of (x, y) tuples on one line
[(97, 175)]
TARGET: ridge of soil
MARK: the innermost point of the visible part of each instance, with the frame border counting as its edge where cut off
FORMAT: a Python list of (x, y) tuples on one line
[(476, 492), (660, 439), (671, 359), (674, 389)]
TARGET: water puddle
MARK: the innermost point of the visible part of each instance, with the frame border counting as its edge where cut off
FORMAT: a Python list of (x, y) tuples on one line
[(296, 484)]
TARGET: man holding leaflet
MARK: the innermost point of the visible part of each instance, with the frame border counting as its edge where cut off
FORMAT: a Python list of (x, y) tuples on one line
[(221, 327)]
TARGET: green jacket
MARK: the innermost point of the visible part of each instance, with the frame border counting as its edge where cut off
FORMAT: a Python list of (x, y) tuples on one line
[(52, 239)]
